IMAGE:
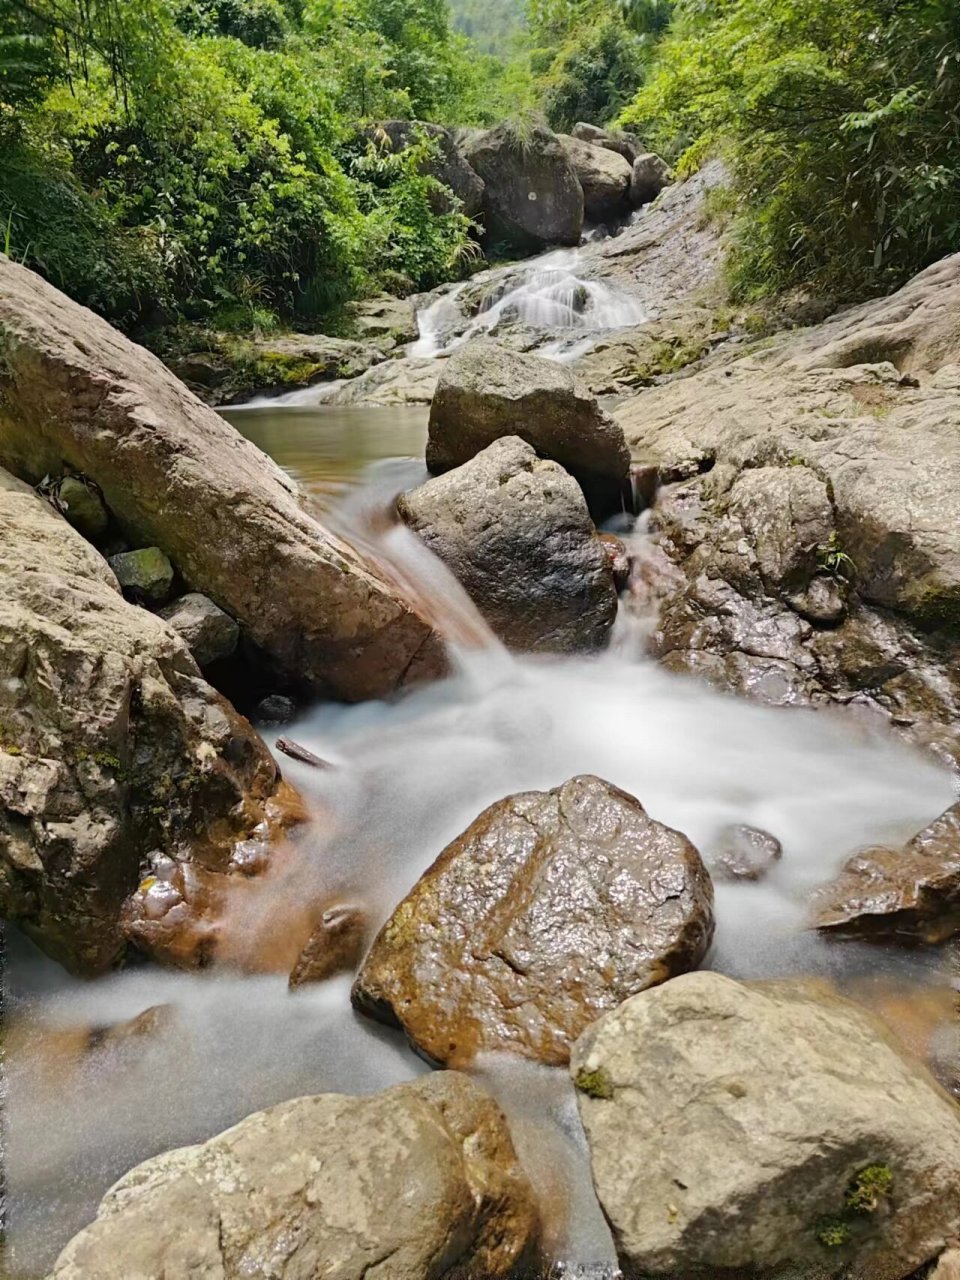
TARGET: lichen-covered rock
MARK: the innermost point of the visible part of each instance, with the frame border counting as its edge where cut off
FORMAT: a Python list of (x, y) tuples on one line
[(649, 176), (419, 1182), (766, 1129), (81, 503), (531, 196), (516, 532), (112, 746), (899, 895), (145, 574), (210, 633), (551, 908), (175, 475), (486, 391), (604, 176)]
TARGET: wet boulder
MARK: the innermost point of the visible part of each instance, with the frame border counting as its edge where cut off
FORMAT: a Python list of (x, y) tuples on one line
[(486, 392), (112, 746), (550, 909), (76, 395), (211, 634), (909, 895), (335, 945), (765, 1129), (446, 164), (604, 176), (415, 1183), (650, 175), (532, 198), (516, 532)]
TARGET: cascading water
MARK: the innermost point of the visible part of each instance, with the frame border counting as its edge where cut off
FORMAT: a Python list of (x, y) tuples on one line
[(408, 776), (546, 293)]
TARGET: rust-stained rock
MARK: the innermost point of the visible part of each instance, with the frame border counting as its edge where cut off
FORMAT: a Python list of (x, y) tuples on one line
[(900, 895), (112, 745), (335, 945), (552, 908), (75, 394), (419, 1182)]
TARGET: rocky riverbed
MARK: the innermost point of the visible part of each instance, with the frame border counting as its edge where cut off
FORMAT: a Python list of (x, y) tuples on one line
[(641, 830)]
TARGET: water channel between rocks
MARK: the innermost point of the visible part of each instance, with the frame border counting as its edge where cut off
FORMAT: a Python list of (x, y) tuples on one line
[(409, 776)]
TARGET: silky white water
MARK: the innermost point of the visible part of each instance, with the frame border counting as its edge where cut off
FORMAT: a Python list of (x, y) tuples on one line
[(409, 776)]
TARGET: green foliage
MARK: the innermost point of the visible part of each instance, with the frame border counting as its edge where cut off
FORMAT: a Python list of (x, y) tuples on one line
[(841, 119), (196, 158), (595, 1084), (869, 1187)]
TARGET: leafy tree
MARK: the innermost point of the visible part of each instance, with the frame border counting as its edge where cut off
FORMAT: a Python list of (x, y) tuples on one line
[(841, 122)]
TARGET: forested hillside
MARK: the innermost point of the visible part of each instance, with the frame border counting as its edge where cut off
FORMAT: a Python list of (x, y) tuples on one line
[(494, 26)]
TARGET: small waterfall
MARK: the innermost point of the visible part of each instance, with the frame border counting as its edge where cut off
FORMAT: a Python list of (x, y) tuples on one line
[(546, 294)]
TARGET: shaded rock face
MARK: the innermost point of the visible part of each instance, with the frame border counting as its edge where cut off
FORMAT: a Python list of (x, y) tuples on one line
[(176, 476), (486, 392), (649, 176), (416, 1183), (516, 532), (550, 909), (210, 633), (531, 197), (747, 1129), (449, 166), (813, 512), (112, 746), (604, 176), (899, 895)]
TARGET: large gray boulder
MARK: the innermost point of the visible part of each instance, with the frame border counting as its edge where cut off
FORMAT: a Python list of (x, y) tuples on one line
[(486, 392), (551, 908), (767, 1129), (531, 197), (516, 532), (176, 476), (447, 165), (417, 1183), (624, 144), (604, 176), (112, 746), (649, 176)]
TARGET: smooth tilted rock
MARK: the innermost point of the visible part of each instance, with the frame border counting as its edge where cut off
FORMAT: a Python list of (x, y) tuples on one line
[(335, 945), (145, 574), (486, 391), (210, 633), (766, 1129), (419, 1182), (899, 895), (175, 475), (112, 746), (650, 175), (549, 910), (516, 532), (604, 176), (531, 196)]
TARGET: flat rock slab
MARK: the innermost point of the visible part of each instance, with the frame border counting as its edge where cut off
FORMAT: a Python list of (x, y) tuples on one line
[(177, 476), (416, 1183), (550, 909), (770, 1129), (516, 532), (487, 391)]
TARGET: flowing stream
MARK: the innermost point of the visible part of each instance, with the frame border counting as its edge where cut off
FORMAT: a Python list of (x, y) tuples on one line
[(408, 776)]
